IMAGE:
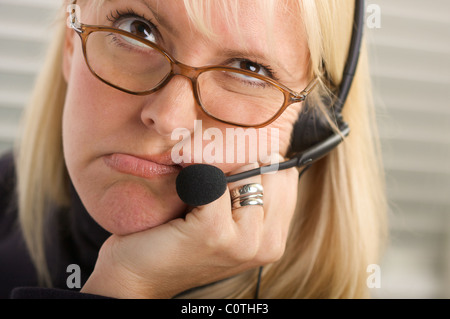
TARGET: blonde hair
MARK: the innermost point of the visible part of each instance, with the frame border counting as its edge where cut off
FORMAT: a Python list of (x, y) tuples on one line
[(339, 224)]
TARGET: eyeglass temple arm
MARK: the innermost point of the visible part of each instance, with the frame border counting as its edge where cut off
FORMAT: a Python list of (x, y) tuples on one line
[(74, 23), (300, 97)]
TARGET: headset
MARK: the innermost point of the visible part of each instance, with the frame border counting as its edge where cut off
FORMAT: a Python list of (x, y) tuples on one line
[(312, 137)]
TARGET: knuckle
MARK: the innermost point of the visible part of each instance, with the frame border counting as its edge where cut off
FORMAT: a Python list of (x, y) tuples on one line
[(218, 238)]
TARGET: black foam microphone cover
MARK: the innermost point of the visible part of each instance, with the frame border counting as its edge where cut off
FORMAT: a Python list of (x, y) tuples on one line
[(200, 184)]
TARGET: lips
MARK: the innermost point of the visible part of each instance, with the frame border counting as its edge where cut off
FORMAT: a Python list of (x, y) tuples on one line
[(142, 166)]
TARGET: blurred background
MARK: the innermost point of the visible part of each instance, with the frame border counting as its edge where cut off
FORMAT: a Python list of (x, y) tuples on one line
[(410, 54)]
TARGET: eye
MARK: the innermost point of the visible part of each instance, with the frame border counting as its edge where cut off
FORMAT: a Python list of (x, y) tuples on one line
[(251, 66), (138, 27)]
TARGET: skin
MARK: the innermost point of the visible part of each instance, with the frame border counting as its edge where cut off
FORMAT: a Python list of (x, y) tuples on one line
[(155, 250)]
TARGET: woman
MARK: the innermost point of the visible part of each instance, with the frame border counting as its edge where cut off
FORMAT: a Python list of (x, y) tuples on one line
[(95, 172)]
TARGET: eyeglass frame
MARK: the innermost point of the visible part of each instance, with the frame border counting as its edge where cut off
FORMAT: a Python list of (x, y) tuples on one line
[(192, 73)]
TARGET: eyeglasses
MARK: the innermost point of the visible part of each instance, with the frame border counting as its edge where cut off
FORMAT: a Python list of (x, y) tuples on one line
[(137, 66)]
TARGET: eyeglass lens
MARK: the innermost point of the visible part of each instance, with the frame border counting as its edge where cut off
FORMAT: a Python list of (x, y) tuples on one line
[(138, 67)]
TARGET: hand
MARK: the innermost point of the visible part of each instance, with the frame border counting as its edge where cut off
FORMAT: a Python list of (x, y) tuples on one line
[(211, 243)]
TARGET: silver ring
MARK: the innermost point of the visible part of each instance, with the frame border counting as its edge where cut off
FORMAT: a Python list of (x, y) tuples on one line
[(247, 195)]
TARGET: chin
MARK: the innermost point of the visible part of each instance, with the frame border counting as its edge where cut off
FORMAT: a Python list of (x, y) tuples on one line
[(130, 208)]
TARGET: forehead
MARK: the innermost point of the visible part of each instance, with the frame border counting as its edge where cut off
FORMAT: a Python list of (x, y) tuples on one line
[(253, 21)]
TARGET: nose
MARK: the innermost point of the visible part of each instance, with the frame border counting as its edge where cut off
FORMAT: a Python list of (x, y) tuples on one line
[(171, 107)]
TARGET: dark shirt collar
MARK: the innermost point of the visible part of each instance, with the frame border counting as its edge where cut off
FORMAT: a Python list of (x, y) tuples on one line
[(84, 228)]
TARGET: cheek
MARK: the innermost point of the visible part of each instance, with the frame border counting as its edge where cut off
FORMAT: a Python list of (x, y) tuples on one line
[(284, 124), (87, 105), (80, 114), (96, 120), (95, 114), (81, 109)]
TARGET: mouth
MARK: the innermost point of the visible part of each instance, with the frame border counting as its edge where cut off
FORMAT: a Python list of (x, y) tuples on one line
[(145, 166)]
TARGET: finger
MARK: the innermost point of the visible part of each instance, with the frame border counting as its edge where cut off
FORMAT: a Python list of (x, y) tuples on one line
[(280, 190), (219, 212), (233, 235), (279, 203)]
